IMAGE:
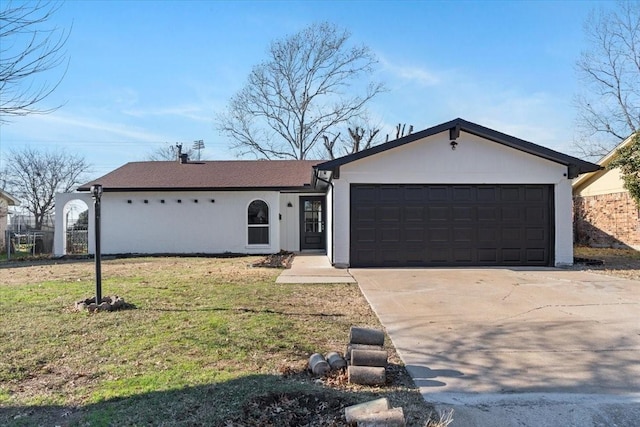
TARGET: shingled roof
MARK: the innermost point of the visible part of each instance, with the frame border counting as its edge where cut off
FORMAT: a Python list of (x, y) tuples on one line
[(207, 175)]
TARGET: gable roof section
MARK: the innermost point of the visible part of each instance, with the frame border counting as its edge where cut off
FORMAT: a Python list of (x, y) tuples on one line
[(603, 162), (11, 201), (207, 175), (575, 166)]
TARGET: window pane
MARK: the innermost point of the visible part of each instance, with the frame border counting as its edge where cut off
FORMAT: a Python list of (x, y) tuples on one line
[(258, 235), (258, 212)]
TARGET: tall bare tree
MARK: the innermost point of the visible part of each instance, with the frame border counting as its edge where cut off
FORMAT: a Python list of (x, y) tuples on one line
[(28, 48), (35, 177), (310, 83), (609, 108)]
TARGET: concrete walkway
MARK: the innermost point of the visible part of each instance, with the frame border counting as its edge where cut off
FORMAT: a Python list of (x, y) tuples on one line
[(314, 268)]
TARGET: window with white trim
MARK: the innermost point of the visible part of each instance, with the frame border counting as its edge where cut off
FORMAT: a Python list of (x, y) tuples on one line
[(258, 223)]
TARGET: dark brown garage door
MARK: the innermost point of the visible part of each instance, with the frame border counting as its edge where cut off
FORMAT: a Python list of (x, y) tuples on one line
[(451, 225)]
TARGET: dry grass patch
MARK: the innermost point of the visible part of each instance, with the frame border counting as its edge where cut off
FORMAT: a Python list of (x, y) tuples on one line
[(616, 262), (210, 339)]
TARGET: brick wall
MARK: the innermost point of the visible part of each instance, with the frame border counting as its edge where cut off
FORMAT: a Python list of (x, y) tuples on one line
[(607, 220)]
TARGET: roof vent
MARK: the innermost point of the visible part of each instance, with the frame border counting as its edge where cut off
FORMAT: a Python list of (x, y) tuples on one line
[(184, 158)]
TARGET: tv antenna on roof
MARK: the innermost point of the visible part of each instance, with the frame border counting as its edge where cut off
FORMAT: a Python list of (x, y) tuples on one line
[(198, 146)]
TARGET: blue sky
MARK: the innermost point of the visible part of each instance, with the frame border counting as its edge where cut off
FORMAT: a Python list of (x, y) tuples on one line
[(146, 73)]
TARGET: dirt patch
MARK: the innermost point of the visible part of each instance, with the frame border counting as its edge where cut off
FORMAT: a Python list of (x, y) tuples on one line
[(282, 259), (325, 407), (313, 410)]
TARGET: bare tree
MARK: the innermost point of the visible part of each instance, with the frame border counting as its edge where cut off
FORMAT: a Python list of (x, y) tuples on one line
[(35, 177), (300, 94), (609, 108), (169, 152), (28, 48), (359, 139), (362, 135)]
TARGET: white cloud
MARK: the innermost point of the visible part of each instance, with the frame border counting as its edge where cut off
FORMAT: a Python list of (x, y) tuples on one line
[(410, 73), (107, 129), (191, 112)]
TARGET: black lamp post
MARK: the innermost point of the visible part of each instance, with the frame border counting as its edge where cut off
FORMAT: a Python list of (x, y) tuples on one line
[(96, 192)]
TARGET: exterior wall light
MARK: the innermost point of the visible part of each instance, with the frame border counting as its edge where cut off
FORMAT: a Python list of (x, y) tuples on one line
[(453, 144)]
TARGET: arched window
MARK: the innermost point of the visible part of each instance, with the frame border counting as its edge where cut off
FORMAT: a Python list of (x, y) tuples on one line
[(258, 223)]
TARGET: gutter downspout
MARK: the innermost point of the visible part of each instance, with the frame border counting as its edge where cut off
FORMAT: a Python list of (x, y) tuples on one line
[(333, 207)]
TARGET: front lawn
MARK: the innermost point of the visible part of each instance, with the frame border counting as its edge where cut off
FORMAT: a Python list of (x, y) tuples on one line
[(211, 342)]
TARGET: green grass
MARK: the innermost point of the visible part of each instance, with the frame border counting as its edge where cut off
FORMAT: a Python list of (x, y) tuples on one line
[(15, 255), (207, 336)]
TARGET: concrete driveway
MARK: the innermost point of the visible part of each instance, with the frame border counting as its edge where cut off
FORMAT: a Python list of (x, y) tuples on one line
[(514, 347)]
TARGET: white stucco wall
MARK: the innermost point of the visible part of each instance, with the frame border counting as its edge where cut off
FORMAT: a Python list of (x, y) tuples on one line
[(474, 161), (186, 227), (329, 223)]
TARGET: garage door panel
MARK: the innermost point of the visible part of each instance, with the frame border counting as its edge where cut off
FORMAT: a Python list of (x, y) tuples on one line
[(488, 256), (438, 193), (488, 213), (389, 214), (414, 214), (438, 213), (535, 214), (487, 194), (535, 234), (366, 235), (535, 255), (510, 235), (462, 213), (448, 225), (488, 235), (461, 234), (534, 194), (462, 194), (512, 214), (438, 235), (390, 235), (462, 255), (365, 214)]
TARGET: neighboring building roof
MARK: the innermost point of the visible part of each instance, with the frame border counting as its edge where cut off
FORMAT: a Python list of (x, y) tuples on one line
[(575, 166), (207, 175), (11, 201), (603, 162)]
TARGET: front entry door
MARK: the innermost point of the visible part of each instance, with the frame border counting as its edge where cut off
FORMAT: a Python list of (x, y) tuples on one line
[(312, 218)]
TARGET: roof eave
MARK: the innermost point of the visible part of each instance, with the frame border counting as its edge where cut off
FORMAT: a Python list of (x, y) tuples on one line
[(176, 189), (574, 165)]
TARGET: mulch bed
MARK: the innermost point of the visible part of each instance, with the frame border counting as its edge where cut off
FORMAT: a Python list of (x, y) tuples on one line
[(282, 259)]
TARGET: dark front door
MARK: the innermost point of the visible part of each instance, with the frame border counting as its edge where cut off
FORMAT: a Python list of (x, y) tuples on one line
[(312, 218)]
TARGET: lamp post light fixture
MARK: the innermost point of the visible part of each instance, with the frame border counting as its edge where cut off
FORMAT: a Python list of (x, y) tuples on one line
[(96, 193)]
